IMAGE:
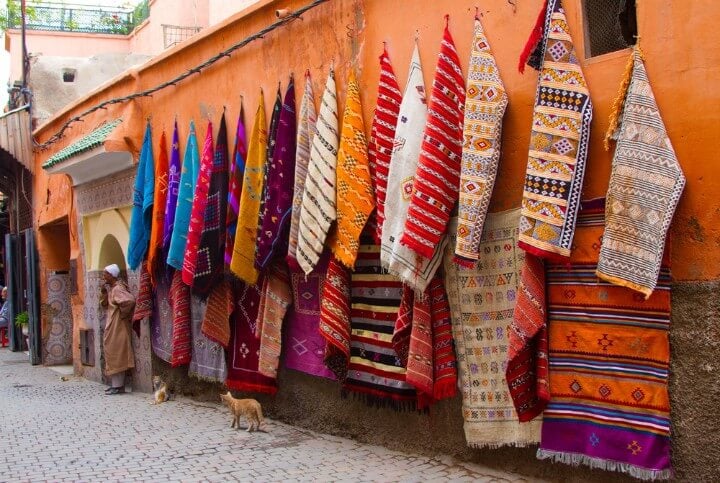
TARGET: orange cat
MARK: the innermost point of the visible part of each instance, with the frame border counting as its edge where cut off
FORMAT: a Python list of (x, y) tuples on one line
[(249, 408)]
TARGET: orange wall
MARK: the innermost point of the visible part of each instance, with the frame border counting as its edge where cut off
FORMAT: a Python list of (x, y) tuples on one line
[(682, 51)]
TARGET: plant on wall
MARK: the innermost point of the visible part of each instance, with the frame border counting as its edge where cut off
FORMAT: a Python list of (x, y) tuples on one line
[(22, 319), (10, 13)]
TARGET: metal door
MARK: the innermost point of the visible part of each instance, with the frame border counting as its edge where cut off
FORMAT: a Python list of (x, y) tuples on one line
[(33, 298)]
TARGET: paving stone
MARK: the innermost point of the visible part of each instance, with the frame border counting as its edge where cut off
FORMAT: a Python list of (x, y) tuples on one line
[(70, 431)]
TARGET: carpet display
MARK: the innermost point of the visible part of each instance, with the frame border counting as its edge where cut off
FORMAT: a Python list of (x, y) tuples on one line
[(609, 363)]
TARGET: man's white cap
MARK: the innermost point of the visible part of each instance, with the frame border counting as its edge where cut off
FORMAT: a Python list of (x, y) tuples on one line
[(113, 270)]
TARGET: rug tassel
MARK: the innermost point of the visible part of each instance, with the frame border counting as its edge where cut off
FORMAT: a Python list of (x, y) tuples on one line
[(618, 103), (535, 37), (444, 390), (575, 459)]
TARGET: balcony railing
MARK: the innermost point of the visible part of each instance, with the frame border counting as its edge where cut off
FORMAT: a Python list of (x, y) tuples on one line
[(58, 17)]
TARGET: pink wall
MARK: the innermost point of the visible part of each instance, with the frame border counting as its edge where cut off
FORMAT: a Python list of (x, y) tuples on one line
[(148, 38), (63, 44)]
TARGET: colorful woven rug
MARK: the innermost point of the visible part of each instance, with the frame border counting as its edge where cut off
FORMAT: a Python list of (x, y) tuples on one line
[(161, 322), (237, 172), (318, 203), (142, 210), (208, 357), (144, 299), (270, 149), (334, 324), (400, 260), (609, 361), (155, 248), (242, 263), (355, 197), (382, 136), (304, 344), (275, 299), (527, 365), (243, 353), (209, 266), (186, 190), (375, 371), (274, 229), (180, 308), (645, 186), (485, 104), (445, 374), (306, 131), (558, 143), (403, 324), (220, 306), (435, 188), (482, 301), (197, 212), (172, 194), (431, 362)]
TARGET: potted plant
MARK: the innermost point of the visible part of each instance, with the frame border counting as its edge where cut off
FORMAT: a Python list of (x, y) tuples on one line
[(21, 320)]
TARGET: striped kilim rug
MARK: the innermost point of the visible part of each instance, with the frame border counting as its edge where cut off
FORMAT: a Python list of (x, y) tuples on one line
[(609, 358), (375, 371)]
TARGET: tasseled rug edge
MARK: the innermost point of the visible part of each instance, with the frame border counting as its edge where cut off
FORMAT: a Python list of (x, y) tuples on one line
[(576, 459), (202, 378), (378, 402), (511, 444), (249, 387)]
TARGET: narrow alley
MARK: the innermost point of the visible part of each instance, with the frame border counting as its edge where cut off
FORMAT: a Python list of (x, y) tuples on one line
[(69, 430)]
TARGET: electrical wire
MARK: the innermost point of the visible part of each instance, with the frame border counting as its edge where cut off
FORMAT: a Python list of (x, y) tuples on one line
[(194, 70)]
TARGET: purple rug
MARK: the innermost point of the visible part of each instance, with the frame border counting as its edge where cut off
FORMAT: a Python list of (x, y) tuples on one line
[(303, 346)]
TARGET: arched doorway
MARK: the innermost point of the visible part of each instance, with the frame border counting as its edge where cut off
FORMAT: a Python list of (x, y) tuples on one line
[(111, 252)]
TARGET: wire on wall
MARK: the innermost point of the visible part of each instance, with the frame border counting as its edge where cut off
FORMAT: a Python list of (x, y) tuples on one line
[(194, 70)]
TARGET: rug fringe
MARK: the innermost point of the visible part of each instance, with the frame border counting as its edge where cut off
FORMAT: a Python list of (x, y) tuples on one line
[(512, 444), (444, 390), (249, 387), (379, 402), (619, 102), (206, 378), (575, 459)]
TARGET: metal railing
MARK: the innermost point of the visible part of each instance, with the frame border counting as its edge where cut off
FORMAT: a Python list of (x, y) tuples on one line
[(57, 17)]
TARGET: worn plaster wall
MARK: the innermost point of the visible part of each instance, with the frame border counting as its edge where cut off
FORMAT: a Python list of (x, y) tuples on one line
[(682, 52), (51, 92)]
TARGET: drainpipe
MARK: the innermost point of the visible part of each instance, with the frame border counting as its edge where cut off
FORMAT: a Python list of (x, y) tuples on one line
[(24, 53)]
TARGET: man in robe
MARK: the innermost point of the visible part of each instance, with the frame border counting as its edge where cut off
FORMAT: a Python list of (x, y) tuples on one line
[(117, 341)]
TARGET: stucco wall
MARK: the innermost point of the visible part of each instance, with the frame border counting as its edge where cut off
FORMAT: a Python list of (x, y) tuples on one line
[(51, 92), (682, 52), (148, 38), (63, 44)]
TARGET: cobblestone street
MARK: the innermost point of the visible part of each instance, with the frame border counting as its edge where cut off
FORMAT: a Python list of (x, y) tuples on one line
[(70, 431)]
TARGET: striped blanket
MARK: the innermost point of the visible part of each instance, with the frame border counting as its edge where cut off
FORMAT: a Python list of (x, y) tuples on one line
[(609, 358), (375, 370)]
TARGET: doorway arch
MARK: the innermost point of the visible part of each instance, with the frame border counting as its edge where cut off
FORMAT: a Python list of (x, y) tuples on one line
[(111, 252)]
